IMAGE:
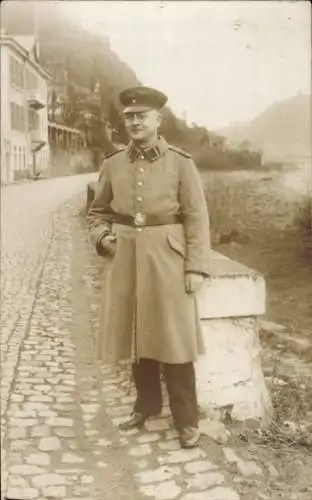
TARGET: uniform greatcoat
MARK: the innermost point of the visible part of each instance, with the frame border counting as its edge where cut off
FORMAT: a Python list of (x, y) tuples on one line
[(146, 310)]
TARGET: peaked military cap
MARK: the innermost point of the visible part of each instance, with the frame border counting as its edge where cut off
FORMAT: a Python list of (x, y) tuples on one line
[(142, 98)]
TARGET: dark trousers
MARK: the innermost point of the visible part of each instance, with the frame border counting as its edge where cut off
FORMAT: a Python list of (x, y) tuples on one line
[(181, 386)]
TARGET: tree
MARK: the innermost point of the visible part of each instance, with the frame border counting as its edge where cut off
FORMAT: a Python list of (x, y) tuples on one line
[(245, 145)]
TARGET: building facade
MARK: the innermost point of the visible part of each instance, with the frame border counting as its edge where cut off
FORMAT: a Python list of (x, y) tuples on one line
[(24, 114)]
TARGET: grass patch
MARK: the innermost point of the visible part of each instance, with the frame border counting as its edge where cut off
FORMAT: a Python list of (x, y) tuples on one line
[(252, 222), (224, 204), (292, 403), (303, 215)]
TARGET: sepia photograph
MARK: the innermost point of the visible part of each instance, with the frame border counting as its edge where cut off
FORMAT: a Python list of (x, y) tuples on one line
[(156, 250)]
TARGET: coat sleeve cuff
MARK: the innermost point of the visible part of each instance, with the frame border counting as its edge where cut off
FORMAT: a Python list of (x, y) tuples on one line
[(98, 242), (203, 268), (205, 273), (202, 273)]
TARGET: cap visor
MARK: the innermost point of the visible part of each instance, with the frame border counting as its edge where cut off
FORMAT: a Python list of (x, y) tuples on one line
[(136, 109)]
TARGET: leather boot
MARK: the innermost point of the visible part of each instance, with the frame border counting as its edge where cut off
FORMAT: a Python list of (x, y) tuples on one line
[(189, 437), (136, 421)]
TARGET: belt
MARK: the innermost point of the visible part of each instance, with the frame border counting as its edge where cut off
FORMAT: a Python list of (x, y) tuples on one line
[(139, 219)]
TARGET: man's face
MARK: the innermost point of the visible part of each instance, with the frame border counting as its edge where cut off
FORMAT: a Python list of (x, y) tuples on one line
[(142, 125)]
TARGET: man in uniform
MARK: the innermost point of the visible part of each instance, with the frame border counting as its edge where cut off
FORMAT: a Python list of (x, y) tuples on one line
[(149, 221)]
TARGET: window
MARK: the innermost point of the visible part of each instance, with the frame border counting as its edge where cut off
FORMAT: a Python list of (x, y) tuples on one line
[(23, 119), (27, 76), (20, 77), (12, 71), (12, 115), (15, 159), (30, 119), (24, 158), (16, 73), (31, 80), (17, 117), (33, 120), (20, 114), (20, 158)]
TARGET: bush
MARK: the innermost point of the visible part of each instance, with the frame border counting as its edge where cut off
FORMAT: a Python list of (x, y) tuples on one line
[(303, 215), (224, 206), (215, 159)]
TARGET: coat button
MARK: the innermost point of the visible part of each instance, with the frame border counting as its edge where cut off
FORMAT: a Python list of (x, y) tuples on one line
[(139, 198), (142, 157), (140, 183), (141, 170)]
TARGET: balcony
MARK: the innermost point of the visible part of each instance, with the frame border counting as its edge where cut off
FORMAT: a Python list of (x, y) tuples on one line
[(35, 100), (37, 140)]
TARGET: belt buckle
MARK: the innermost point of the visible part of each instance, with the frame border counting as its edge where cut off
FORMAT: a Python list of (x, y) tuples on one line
[(139, 219)]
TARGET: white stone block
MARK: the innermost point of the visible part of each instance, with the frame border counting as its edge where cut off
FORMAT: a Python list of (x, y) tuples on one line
[(233, 290), (230, 373)]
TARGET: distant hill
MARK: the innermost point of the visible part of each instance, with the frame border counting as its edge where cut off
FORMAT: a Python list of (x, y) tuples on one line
[(282, 130)]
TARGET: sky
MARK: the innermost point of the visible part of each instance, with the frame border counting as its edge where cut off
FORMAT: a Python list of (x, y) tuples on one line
[(218, 62)]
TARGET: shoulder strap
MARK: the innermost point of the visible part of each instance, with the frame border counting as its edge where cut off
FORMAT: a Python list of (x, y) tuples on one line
[(109, 155), (180, 151)]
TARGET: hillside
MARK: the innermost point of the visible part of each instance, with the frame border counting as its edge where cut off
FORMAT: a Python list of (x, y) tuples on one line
[(83, 61), (282, 130), (87, 57), (87, 77)]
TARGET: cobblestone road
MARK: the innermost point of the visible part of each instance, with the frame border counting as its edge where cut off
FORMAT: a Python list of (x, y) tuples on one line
[(27, 228), (27, 225), (63, 408)]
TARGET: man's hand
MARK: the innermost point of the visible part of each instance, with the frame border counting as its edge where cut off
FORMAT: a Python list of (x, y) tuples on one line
[(193, 282), (108, 244)]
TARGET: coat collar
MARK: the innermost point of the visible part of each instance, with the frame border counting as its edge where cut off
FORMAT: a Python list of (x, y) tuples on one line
[(151, 154)]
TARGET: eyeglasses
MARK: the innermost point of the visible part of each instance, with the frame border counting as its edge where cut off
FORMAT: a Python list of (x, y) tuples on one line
[(136, 116)]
